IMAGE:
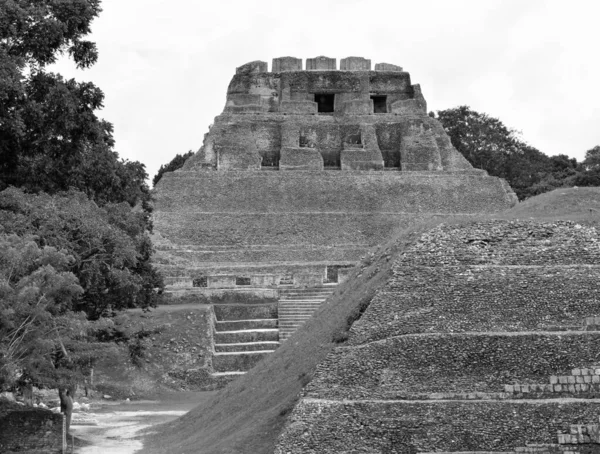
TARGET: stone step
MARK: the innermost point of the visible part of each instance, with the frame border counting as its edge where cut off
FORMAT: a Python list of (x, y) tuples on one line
[(237, 325), (238, 361), (245, 311), (246, 346), (243, 336)]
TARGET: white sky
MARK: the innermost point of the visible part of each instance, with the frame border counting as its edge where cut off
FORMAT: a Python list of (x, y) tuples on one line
[(165, 65)]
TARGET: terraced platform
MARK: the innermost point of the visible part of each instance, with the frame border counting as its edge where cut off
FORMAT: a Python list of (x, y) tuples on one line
[(485, 340)]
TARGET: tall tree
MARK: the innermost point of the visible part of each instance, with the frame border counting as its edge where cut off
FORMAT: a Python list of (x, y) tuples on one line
[(488, 144), (176, 163), (50, 137)]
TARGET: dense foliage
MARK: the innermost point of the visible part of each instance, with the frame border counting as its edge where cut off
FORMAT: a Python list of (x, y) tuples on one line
[(50, 137), (488, 144), (175, 163), (74, 217)]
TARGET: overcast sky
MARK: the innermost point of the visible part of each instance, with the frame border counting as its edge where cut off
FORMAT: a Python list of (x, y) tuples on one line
[(165, 65)]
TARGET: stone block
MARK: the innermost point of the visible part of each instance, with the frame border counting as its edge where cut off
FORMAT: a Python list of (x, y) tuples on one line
[(585, 371), (298, 107), (387, 67), (587, 379), (321, 63), (576, 372), (253, 67), (358, 107), (571, 380), (355, 159), (557, 388), (221, 281), (509, 388), (579, 379), (595, 378), (563, 379), (355, 64), (571, 388), (300, 158), (282, 64), (553, 379)]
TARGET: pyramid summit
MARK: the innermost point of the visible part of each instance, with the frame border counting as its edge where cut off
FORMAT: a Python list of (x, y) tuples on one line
[(303, 172)]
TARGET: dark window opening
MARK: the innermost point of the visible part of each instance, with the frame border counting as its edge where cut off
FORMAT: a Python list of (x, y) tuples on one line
[(325, 102), (242, 280), (304, 143), (379, 104), (201, 281), (332, 275), (353, 139)]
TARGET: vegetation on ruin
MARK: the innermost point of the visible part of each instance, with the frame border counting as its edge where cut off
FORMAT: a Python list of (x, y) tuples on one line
[(176, 163), (74, 217), (490, 145)]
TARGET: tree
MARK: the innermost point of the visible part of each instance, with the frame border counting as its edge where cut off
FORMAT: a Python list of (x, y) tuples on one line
[(592, 158), (488, 144), (50, 137), (110, 246), (176, 163), (42, 341)]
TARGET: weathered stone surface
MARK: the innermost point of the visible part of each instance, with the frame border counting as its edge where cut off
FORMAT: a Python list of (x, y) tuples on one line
[(387, 67), (286, 64), (355, 64), (253, 67), (340, 201), (483, 339), (320, 64)]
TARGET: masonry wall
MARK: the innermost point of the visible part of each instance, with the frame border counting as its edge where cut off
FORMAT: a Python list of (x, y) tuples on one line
[(25, 429), (411, 427), (311, 207), (456, 365), (484, 339)]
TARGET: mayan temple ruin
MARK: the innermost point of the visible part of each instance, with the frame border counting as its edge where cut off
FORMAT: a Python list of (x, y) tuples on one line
[(301, 175)]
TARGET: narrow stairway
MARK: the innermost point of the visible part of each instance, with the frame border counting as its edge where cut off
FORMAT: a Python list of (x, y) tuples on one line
[(296, 305), (244, 334)]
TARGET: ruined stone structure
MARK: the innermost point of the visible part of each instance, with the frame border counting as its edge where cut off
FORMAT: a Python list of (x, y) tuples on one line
[(483, 340), (304, 172)]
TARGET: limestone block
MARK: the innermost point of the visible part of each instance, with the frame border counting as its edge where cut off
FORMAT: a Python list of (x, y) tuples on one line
[(355, 64), (286, 64), (253, 67), (406, 107), (358, 107), (221, 281), (249, 108), (300, 158), (298, 107), (387, 67), (321, 64), (356, 159), (419, 149)]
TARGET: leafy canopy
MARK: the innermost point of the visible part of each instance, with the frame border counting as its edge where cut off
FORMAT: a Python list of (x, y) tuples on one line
[(50, 137)]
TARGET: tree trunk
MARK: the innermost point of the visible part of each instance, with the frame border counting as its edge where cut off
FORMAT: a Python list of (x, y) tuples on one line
[(66, 396), (28, 394)]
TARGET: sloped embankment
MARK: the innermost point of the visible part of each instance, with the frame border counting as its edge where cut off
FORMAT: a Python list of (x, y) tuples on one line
[(248, 415), (483, 340)]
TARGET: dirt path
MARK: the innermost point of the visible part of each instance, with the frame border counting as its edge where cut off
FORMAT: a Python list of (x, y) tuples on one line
[(119, 424)]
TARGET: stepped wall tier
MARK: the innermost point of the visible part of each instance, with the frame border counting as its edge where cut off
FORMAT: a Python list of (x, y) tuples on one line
[(484, 339)]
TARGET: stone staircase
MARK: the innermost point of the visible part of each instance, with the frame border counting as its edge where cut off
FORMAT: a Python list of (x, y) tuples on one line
[(296, 305), (243, 335)]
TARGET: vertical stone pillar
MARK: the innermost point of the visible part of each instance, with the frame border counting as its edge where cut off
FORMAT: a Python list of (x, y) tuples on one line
[(321, 64), (355, 64)]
